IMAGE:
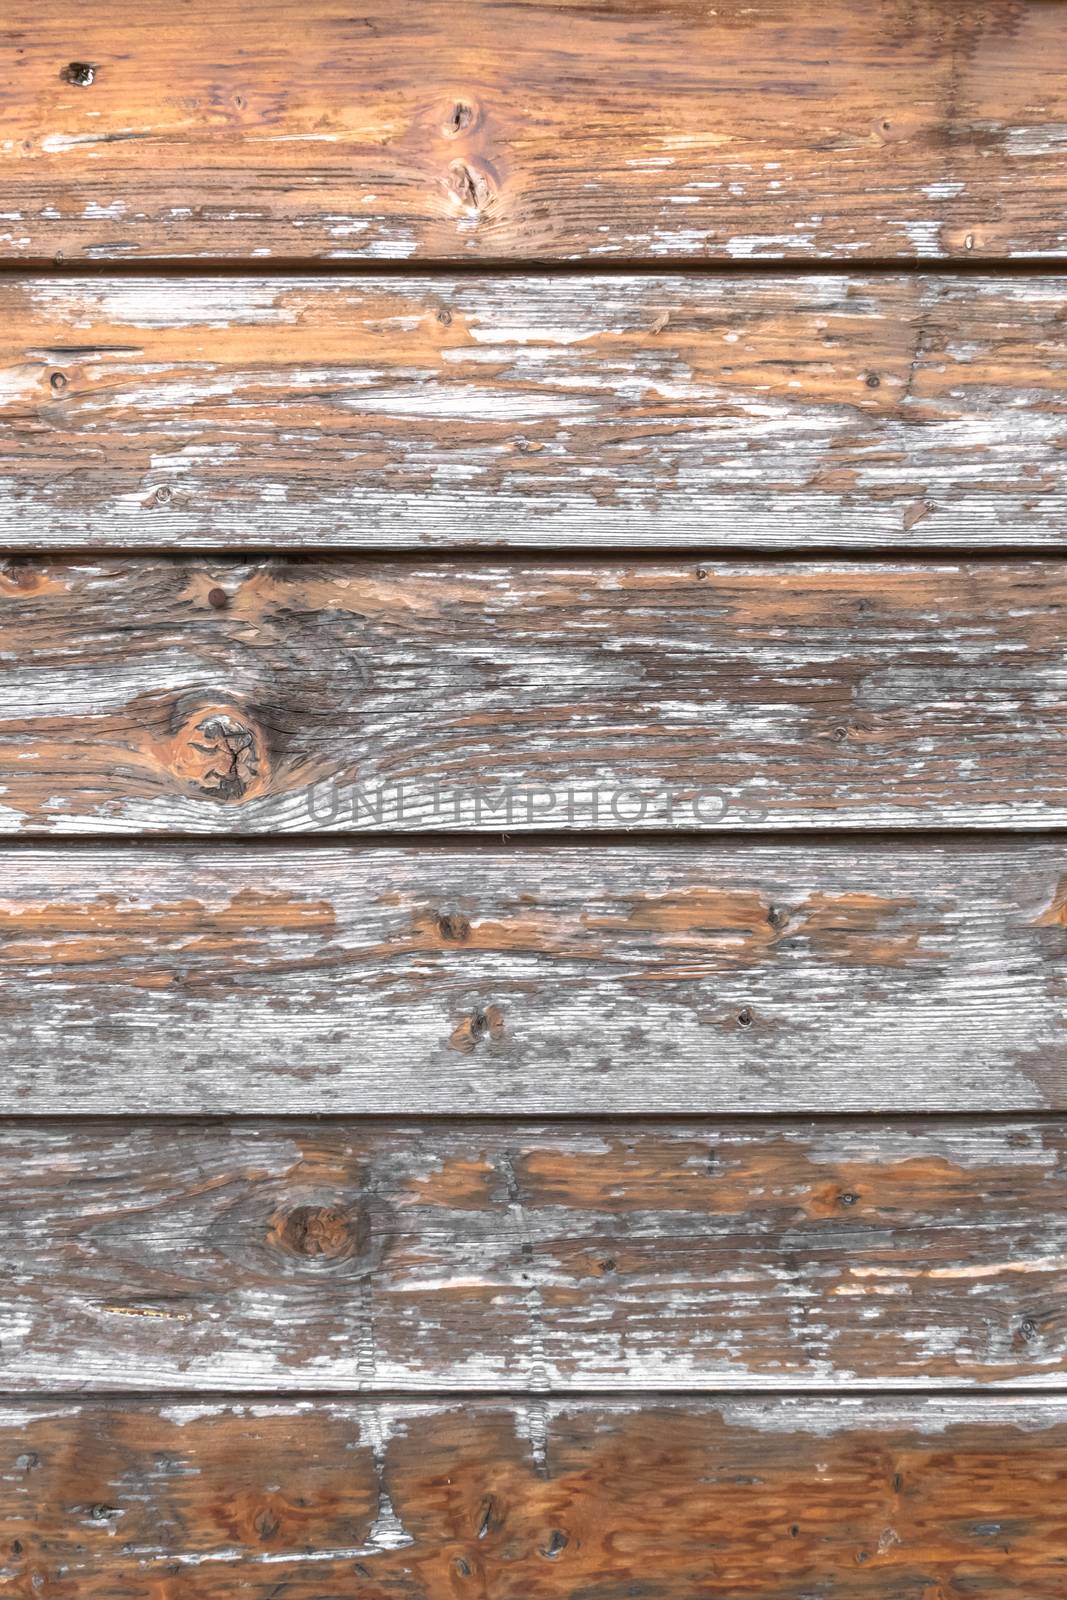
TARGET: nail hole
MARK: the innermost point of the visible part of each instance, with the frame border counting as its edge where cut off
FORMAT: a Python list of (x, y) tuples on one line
[(444, 316), (162, 495), (840, 735), (848, 1198), (873, 380), (80, 73), (58, 382), (744, 1018)]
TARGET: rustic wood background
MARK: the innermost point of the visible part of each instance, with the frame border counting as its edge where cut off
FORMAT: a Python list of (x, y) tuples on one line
[(533, 921)]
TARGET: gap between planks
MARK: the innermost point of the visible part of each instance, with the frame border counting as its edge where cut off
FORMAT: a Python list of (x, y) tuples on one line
[(548, 556), (1043, 266)]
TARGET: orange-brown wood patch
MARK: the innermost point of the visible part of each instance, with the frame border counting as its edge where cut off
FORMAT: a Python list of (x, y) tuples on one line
[(171, 1501)]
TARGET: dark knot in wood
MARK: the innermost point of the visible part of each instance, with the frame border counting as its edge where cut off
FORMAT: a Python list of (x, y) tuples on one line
[(324, 1234)]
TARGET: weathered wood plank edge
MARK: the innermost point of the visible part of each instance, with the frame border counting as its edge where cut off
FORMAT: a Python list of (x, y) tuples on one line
[(531, 839), (574, 1122), (446, 1395)]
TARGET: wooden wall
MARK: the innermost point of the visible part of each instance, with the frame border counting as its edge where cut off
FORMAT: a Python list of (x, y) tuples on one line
[(533, 896)]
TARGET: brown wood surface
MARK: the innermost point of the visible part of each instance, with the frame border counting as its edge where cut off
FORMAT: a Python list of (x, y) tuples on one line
[(487, 1256), (161, 694), (460, 129), (902, 1500), (779, 412), (686, 978)]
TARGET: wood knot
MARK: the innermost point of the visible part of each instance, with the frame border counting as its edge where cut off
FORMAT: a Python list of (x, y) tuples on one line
[(469, 187), (324, 1234), (80, 73), (487, 1022), (220, 753), (454, 926), (462, 117), (20, 575)]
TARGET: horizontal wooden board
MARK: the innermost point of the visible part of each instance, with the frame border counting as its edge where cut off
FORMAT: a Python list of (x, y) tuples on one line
[(778, 412), (159, 694), (304, 1501), (510, 129), (566, 980), (488, 1256)]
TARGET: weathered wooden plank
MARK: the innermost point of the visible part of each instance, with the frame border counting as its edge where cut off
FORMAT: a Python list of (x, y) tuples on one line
[(690, 979), (452, 129), (854, 1500), (165, 694), (485, 1256), (774, 412)]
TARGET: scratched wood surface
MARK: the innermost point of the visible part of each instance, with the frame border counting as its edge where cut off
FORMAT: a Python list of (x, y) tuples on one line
[(749, 410), (466, 129), (516, 1499), (160, 694), (686, 978), (488, 1256)]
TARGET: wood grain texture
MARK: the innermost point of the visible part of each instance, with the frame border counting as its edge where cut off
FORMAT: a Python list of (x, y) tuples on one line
[(691, 979), (141, 695), (508, 1256), (775, 412), (642, 129), (534, 1501)]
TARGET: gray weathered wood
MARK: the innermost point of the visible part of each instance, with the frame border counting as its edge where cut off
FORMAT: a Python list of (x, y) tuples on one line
[(693, 979), (851, 1500), (574, 411), (479, 1256), (159, 694)]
